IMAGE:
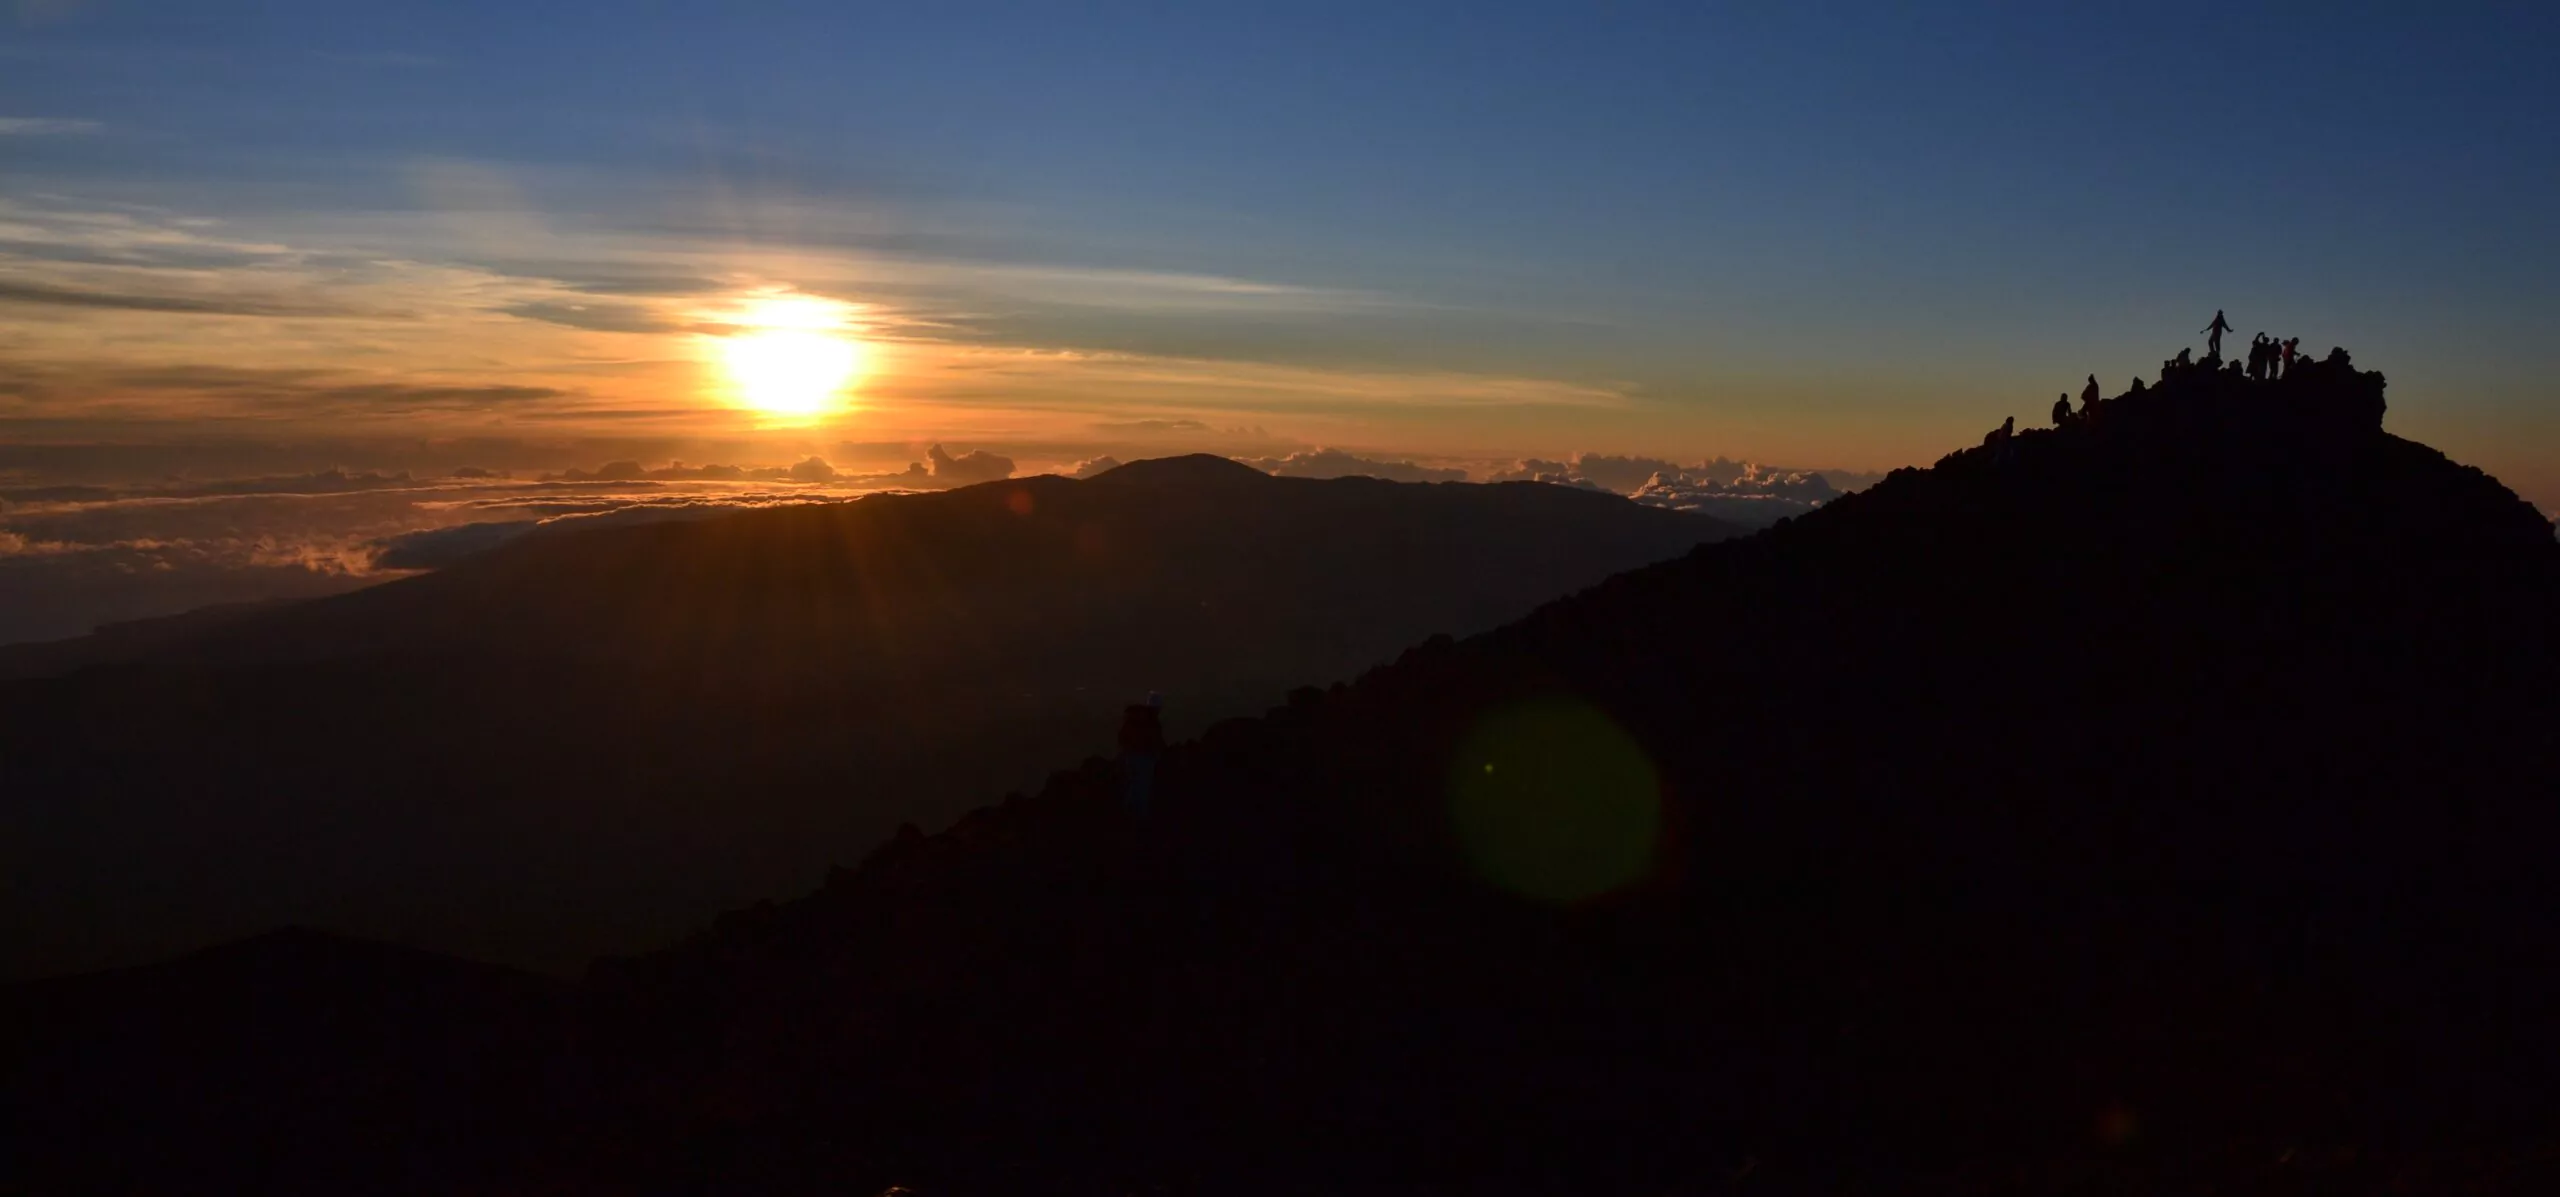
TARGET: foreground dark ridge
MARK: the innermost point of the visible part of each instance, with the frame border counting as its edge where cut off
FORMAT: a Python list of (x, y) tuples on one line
[(2159, 804)]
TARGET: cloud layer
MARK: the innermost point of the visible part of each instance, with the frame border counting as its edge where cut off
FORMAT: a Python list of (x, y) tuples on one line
[(73, 557), (1336, 463), (1739, 492)]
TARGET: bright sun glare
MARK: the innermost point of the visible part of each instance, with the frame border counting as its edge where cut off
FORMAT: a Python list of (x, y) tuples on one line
[(793, 355)]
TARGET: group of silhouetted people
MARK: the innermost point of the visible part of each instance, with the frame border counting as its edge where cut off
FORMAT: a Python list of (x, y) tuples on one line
[(2064, 417), (2269, 359)]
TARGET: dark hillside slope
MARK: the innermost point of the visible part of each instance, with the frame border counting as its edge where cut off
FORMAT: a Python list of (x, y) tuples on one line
[(2141, 802), (587, 742), (2159, 806), (126, 641), (296, 1060)]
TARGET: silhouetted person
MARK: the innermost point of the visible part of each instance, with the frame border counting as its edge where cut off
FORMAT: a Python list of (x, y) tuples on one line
[(2062, 410), (2213, 333), (2258, 347), (2089, 393), (2287, 349), (1141, 742)]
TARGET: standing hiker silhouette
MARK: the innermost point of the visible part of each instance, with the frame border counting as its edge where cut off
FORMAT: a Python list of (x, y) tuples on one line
[(2213, 332)]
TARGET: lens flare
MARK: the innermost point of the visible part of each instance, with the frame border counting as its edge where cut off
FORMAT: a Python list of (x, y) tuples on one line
[(1554, 801)]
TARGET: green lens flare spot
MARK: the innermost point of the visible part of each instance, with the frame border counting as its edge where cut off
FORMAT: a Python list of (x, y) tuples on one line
[(1561, 804)]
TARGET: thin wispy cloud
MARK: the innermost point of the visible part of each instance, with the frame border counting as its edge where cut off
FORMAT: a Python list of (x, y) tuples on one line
[(46, 12), (46, 126), (483, 312), (1264, 386), (43, 296), (397, 59), (1130, 290)]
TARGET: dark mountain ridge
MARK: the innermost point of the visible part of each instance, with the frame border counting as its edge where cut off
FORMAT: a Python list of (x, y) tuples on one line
[(930, 584), (122, 642), (2186, 770), (2156, 803), (589, 741), (1187, 470)]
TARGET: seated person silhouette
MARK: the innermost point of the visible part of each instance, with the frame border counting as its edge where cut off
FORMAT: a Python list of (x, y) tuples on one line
[(2004, 441)]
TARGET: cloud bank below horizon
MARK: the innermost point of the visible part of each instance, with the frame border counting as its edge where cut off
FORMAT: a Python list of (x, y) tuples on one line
[(77, 553)]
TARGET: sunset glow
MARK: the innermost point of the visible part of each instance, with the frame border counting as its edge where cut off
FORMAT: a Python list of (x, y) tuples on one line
[(1420, 598), (792, 357)]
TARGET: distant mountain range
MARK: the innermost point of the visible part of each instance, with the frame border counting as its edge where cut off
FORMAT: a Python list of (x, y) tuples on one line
[(575, 743), (2158, 803)]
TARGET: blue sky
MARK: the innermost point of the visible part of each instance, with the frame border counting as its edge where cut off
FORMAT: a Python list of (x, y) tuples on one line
[(1837, 234)]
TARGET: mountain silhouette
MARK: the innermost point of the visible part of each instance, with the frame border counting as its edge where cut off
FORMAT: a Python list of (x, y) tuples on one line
[(1189, 470), (2188, 770), (124, 641), (2155, 803), (590, 741)]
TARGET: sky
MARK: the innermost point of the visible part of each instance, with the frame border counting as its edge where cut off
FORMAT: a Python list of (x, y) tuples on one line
[(286, 237)]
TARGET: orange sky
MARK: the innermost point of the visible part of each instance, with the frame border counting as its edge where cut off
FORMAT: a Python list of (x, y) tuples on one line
[(472, 315)]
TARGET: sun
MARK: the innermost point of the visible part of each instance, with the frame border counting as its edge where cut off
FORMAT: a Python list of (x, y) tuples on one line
[(792, 357)]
